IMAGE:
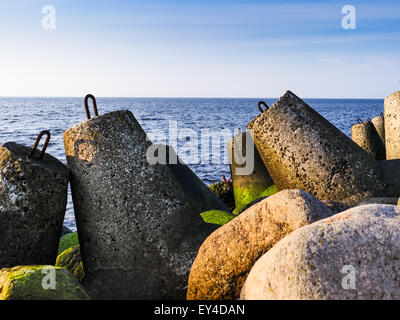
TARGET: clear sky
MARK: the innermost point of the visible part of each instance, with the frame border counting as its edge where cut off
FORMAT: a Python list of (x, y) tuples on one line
[(204, 48)]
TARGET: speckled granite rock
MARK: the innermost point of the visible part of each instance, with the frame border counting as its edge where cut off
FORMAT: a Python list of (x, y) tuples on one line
[(37, 283), (352, 255), (303, 150), (226, 257), (33, 199), (392, 126), (367, 137), (246, 187), (132, 217)]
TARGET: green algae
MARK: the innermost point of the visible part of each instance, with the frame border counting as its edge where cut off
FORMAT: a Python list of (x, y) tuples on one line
[(248, 195), (71, 260), (68, 241), (31, 283), (217, 217)]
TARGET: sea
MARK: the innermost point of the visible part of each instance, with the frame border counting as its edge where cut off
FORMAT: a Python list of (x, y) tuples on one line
[(22, 118)]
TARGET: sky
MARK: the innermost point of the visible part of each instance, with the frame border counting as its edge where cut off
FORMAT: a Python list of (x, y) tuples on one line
[(204, 48)]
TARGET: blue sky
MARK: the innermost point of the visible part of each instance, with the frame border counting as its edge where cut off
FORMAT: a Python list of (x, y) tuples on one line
[(199, 49)]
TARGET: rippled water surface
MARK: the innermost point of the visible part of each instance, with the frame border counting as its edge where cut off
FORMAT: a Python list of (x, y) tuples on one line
[(21, 119)]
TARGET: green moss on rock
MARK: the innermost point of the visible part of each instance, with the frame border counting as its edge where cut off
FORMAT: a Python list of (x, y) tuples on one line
[(247, 197), (224, 191), (217, 217), (68, 241), (71, 260), (35, 283)]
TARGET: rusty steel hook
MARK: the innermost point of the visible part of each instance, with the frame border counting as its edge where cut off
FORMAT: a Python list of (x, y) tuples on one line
[(359, 120), (369, 120), (264, 104), (96, 113), (226, 181), (46, 143)]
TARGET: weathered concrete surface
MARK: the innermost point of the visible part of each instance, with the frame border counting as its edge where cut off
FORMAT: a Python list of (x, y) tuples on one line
[(246, 187), (224, 192), (131, 216), (36, 283), (318, 260), (33, 199), (303, 150), (392, 126), (390, 177), (368, 138), (379, 124), (336, 207), (199, 195), (226, 257)]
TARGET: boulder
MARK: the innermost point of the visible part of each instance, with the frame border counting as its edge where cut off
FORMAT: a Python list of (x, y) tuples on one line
[(352, 255), (379, 200), (228, 254), (224, 191), (71, 260), (335, 206), (39, 283)]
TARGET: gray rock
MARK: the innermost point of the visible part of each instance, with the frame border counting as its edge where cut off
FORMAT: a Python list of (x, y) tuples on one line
[(390, 177), (352, 255), (392, 126), (303, 150), (132, 217), (228, 254), (33, 199), (379, 200)]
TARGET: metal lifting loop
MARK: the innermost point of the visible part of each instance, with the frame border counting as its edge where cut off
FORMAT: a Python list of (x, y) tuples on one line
[(226, 181), (381, 114), (264, 104), (369, 120), (96, 113), (359, 120), (46, 143)]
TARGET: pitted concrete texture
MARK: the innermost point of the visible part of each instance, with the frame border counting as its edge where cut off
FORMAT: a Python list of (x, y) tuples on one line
[(367, 137), (303, 150), (33, 199), (392, 126), (247, 187), (199, 195), (379, 124), (130, 215)]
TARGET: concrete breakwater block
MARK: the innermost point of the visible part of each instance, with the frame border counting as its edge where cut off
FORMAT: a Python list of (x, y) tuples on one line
[(379, 124), (249, 175), (199, 195), (33, 200), (390, 176), (138, 232), (392, 126), (303, 150), (368, 138)]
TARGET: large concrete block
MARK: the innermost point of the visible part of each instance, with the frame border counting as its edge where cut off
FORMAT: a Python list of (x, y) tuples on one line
[(33, 200), (249, 175), (392, 126), (138, 231), (303, 150), (368, 138)]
